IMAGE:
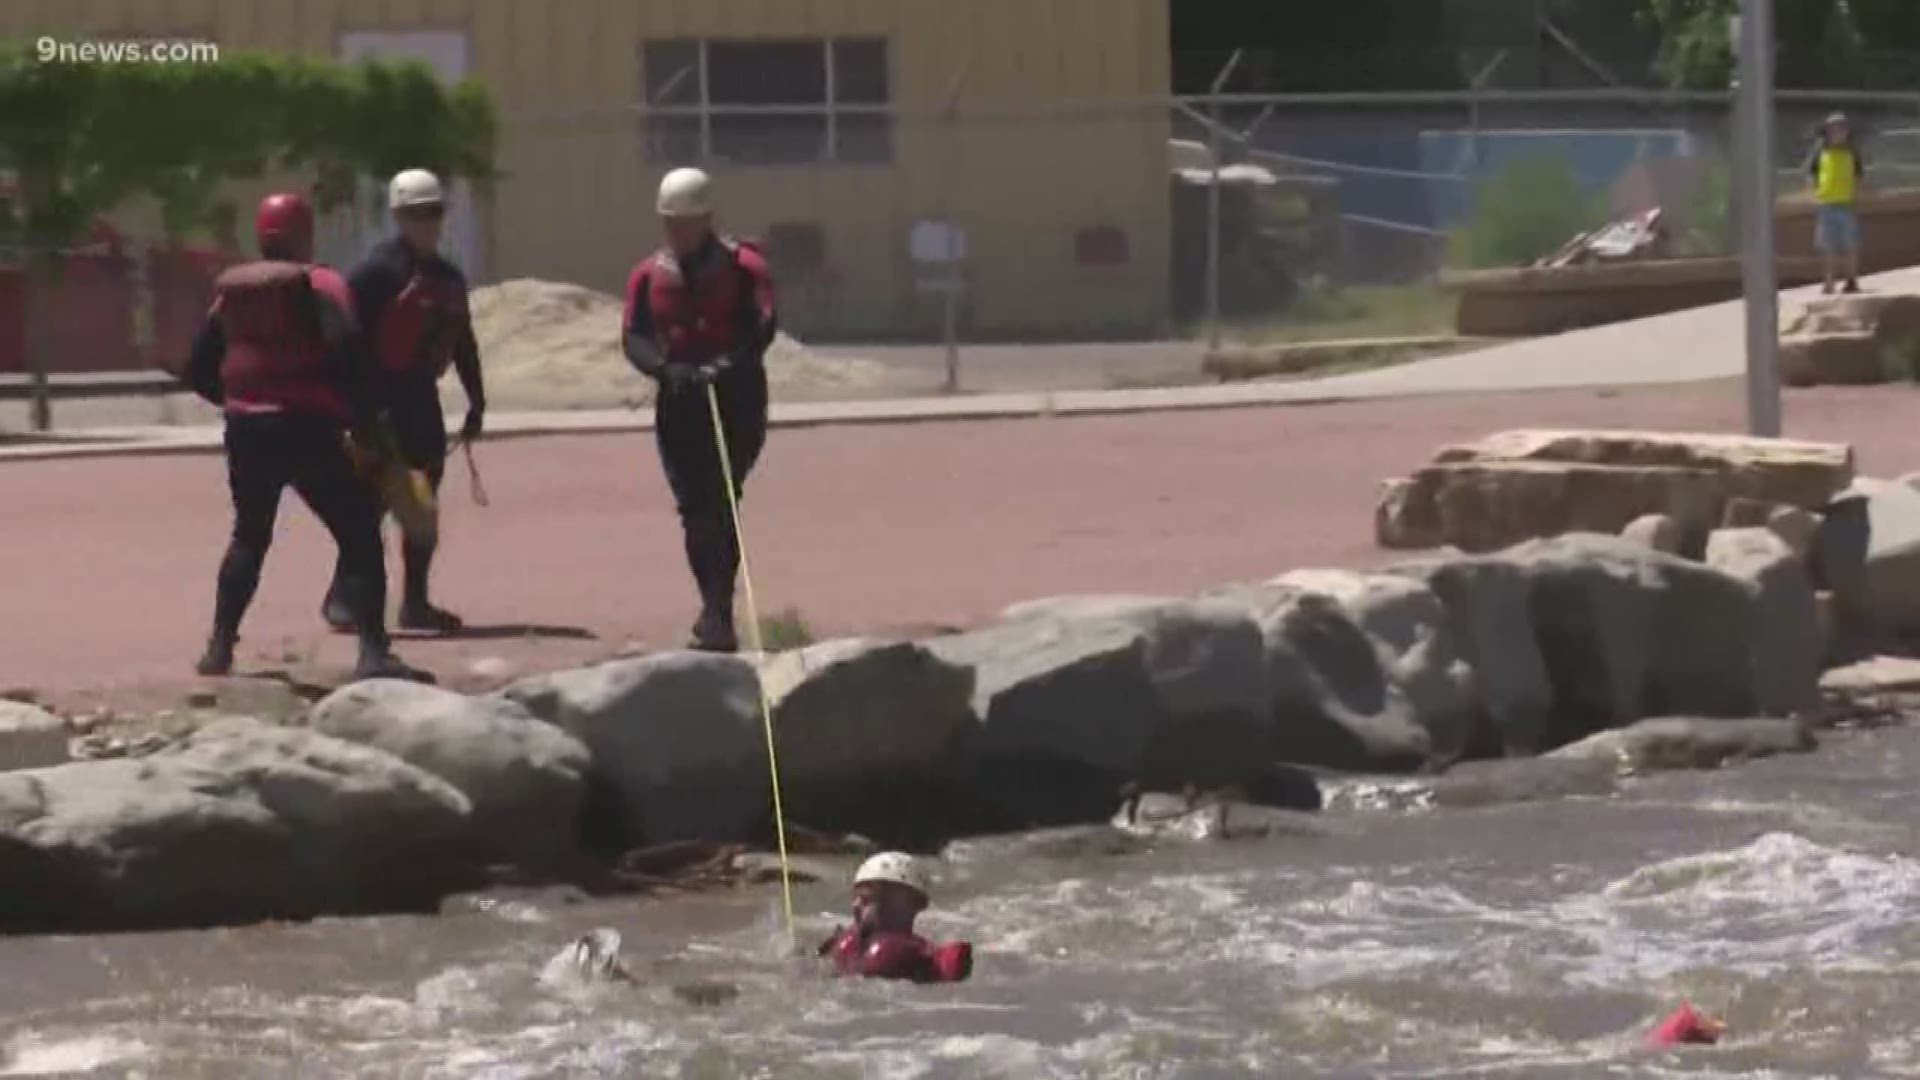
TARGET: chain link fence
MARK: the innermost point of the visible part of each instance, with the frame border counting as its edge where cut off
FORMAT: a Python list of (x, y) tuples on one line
[(957, 231)]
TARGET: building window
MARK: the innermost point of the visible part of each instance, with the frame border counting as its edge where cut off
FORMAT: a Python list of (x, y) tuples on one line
[(775, 101)]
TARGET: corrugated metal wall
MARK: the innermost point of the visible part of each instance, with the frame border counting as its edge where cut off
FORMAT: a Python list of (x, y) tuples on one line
[(577, 199)]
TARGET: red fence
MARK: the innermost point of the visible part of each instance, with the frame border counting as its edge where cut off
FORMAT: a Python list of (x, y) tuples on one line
[(93, 307)]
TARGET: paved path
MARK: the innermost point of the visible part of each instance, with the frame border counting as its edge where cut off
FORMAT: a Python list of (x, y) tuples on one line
[(1684, 346), (108, 563)]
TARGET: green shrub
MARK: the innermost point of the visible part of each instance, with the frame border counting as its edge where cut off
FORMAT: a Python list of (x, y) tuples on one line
[(1526, 210)]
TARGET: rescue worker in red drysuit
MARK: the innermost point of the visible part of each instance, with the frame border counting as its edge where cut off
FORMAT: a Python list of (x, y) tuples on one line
[(413, 303), (1686, 1026), (281, 354), (700, 313), (889, 892)]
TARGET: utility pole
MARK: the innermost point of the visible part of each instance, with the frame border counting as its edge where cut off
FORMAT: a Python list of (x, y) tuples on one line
[(1753, 31)]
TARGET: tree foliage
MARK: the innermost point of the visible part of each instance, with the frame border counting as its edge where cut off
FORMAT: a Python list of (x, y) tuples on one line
[(1524, 211), (83, 138), (1822, 44)]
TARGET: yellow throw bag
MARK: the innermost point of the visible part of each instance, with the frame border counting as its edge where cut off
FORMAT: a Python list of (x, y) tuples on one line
[(406, 493)]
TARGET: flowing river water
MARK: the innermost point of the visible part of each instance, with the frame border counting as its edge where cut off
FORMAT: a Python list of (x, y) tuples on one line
[(1530, 940)]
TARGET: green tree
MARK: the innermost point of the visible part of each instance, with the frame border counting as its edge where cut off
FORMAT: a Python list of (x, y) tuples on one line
[(84, 139), (1820, 44), (1524, 211)]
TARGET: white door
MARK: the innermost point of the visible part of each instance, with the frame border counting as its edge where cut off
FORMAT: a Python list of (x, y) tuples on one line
[(347, 238)]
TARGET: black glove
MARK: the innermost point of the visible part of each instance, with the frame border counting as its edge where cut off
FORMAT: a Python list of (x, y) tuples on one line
[(476, 420), (676, 377)]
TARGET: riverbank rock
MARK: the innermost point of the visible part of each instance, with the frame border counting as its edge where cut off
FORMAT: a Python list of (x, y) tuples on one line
[(1892, 560), (241, 822), (1489, 602), (678, 750), (867, 732), (30, 737), (1850, 340), (1521, 485), (1474, 785), (1626, 632), (1657, 531), (1788, 643), (1077, 696), (1789, 471), (1419, 650), (1668, 743), (1333, 700), (526, 780), (1159, 816)]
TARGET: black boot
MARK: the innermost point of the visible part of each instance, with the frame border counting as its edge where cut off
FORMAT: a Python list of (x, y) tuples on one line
[(378, 662), (218, 659), (416, 613), (335, 610), (713, 631)]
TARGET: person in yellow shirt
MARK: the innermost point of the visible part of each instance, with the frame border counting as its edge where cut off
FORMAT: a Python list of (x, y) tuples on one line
[(1837, 168)]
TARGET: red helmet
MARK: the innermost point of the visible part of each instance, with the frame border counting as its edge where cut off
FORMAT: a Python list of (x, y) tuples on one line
[(284, 225)]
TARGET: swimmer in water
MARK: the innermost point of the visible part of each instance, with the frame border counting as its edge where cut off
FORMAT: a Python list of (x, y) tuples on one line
[(889, 893)]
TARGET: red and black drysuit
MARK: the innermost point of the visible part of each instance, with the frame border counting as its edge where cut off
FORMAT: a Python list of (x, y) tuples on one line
[(893, 954), (282, 355), (414, 308), (705, 319)]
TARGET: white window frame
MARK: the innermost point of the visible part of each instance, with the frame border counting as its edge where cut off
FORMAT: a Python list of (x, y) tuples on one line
[(832, 108)]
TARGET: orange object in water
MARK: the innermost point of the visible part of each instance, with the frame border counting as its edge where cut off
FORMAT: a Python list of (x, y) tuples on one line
[(1686, 1025)]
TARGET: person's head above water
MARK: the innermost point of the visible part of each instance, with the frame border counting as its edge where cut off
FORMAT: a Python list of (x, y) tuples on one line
[(889, 892)]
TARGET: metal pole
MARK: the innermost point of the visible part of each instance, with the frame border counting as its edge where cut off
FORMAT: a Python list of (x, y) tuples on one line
[(1758, 272), (1213, 202), (952, 330)]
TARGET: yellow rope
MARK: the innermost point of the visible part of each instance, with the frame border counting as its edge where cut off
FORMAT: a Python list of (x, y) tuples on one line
[(753, 625)]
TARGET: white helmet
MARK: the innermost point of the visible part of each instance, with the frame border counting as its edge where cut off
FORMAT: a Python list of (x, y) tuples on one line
[(686, 193), (894, 868), (414, 187)]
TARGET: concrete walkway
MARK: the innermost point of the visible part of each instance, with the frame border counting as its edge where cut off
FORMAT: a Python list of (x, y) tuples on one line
[(1698, 345)]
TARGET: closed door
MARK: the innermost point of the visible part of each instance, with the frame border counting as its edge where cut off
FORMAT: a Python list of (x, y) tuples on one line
[(449, 53)]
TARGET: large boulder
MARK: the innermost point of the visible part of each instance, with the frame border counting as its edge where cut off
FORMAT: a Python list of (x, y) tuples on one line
[(1667, 743), (527, 780), (1803, 474), (1333, 698), (1657, 531), (1841, 546), (1840, 358), (1627, 632), (1483, 506), (677, 743), (1788, 644), (240, 822), (1489, 602), (1419, 650), (1519, 485), (30, 737), (1076, 696), (866, 730), (1892, 565), (1839, 340)]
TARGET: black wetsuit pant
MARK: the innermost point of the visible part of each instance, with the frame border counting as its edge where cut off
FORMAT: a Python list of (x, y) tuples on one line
[(420, 431), (267, 454), (420, 436), (690, 456)]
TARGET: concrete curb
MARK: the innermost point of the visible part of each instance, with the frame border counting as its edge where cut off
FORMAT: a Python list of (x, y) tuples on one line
[(156, 441), (150, 441)]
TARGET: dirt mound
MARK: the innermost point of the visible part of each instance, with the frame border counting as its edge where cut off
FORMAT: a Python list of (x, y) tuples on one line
[(547, 345)]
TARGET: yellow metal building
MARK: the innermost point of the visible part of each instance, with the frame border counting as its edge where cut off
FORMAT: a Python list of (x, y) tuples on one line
[(860, 139)]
